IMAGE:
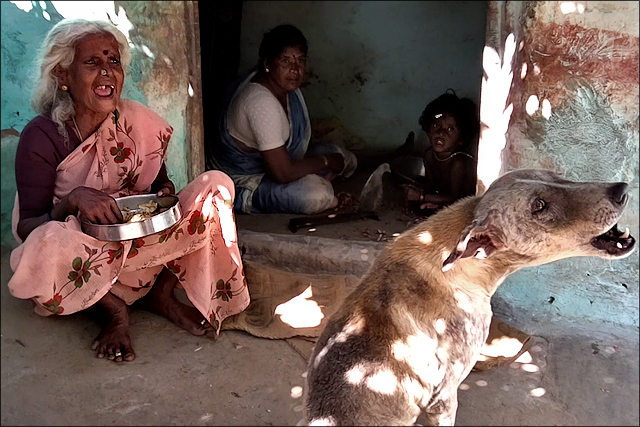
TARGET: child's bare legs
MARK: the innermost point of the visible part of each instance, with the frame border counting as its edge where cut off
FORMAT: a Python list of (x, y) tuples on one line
[(114, 341), (162, 301)]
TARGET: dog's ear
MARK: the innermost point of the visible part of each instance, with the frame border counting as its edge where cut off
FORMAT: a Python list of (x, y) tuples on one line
[(479, 240)]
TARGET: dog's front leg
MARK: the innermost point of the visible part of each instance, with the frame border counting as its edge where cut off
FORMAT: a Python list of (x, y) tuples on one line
[(442, 412)]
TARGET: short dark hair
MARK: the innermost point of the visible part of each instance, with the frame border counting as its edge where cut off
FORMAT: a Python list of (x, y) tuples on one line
[(464, 110), (279, 38)]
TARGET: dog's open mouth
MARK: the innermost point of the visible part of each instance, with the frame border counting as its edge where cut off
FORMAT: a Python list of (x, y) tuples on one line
[(614, 242)]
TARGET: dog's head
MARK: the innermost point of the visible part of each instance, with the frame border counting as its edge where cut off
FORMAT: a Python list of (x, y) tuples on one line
[(541, 217)]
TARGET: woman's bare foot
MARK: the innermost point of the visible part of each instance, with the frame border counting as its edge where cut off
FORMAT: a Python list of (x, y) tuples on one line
[(114, 342), (161, 301)]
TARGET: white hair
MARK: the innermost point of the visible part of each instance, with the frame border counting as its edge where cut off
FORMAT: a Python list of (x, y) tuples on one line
[(58, 48)]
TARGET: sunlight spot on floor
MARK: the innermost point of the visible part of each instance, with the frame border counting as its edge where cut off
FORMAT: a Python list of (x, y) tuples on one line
[(481, 383), (538, 392), (464, 386), (300, 312), (503, 346), (524, 358), (296, 392), (530, 367), (206, 417)]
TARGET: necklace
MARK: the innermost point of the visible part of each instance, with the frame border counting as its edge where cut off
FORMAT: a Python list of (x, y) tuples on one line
[(76, 126), (452, 155)]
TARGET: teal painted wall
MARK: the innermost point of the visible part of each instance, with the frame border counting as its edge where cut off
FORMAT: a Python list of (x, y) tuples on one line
[(375, 65), (157, 76)]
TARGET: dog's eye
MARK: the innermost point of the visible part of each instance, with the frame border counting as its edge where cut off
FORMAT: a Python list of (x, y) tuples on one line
[(538, 205)]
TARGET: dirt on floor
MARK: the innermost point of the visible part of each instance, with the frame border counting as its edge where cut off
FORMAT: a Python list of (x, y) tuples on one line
[(394, 216), (583, 374)]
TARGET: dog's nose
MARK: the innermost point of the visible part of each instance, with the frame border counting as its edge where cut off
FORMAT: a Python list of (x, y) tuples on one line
[(618, 193)]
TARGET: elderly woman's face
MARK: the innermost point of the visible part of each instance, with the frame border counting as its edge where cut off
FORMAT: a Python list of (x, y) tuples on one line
[(93, 90), (287, 69)]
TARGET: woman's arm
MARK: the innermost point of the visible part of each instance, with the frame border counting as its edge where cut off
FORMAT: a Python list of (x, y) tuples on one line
[(282, 169), (40, 150), (162, 183)]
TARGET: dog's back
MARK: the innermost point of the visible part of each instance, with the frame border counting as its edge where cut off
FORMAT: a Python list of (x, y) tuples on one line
[(409, 334)]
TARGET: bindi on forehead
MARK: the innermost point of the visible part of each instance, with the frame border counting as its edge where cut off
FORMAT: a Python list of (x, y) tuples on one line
[(105, 52)]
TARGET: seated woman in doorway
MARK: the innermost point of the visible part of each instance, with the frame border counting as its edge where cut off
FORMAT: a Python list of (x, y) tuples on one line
[(86, 147), (265, 133), (452, 125)]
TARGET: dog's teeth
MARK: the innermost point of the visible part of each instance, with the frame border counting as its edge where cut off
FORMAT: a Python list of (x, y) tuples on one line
[(625, 234), (619, 245)]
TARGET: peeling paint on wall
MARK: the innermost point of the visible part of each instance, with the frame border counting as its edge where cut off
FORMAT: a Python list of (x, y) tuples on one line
[(575, 98)]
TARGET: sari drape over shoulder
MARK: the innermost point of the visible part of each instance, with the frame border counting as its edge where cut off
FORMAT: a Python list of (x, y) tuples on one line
[(64, 270), (247, 169)]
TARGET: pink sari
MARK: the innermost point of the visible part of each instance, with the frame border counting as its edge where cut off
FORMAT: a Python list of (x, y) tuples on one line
[(65, 271)]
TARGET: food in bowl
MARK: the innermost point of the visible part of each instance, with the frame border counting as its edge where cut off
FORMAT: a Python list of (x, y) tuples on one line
[(144, 211)]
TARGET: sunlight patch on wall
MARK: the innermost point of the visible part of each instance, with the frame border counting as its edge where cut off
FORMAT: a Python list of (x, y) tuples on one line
[(494, 111), (567, 7), (23, 5), (95, 10)]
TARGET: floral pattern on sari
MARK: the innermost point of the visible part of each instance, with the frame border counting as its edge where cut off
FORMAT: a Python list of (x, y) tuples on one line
[(201, 254)]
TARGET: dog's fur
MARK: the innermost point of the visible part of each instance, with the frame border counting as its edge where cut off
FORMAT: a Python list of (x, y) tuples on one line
[(409, 334)]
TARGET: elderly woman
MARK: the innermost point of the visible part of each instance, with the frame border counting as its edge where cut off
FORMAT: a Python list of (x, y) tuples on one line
[(265, 133), (87, 147)]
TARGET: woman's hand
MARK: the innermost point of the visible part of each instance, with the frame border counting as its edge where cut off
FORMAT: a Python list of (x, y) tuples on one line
[(95, 205), (336, 162), (166, 189), (412, 193)]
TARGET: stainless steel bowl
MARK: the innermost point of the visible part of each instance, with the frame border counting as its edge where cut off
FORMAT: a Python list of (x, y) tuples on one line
[(169, 214)]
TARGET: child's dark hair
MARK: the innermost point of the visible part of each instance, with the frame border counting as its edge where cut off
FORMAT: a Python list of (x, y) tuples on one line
[(464, 110), (279, 38)]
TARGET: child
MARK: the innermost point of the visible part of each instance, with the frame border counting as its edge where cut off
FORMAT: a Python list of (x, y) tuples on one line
[(452, 125)]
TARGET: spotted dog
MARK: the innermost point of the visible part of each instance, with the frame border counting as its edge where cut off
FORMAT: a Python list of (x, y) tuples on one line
[(409, 334)]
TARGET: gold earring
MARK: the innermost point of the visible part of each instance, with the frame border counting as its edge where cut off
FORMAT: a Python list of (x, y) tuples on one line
[(266, 69), (64, 87), (103, 72)]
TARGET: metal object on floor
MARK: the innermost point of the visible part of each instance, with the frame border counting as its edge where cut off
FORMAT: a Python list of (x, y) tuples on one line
[(169, 214), (369, 201), (371, 194)]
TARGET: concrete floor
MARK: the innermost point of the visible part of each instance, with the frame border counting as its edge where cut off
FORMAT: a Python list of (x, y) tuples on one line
[(577, 374)]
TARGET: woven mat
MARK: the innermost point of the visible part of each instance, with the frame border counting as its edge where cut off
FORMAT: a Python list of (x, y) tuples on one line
[(295, 307)]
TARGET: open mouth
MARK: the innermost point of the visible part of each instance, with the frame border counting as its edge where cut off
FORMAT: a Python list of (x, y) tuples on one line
[(614, 242), (104, 91)]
